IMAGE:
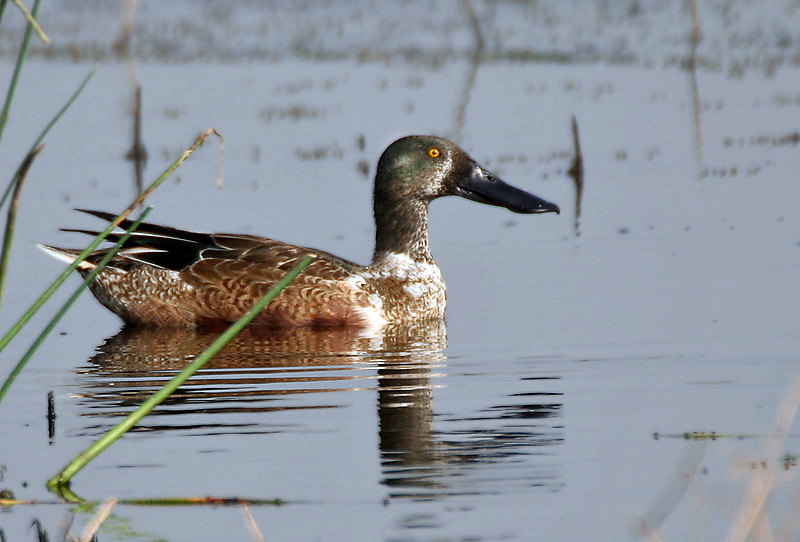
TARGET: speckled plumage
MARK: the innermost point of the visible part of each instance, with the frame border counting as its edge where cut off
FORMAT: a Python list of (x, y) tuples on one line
[(168, 277)]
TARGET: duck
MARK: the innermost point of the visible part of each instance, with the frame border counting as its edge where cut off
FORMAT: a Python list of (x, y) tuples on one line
[(168, 277)]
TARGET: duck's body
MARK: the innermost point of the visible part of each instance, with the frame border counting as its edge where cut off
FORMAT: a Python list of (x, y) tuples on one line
[(206, 279), (168, 277)]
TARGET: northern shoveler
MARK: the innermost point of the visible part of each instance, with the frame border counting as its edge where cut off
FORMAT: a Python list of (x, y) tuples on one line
[(164, 276)]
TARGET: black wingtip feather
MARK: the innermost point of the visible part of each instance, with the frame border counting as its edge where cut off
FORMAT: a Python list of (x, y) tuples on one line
[(87, 232), (99, 214), (156, 229), (171, 248)]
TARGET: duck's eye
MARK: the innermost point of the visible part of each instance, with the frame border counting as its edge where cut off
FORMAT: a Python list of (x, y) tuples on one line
[(433, 152)]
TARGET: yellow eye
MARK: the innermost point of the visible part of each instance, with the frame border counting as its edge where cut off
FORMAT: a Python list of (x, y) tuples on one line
[(433, 152)]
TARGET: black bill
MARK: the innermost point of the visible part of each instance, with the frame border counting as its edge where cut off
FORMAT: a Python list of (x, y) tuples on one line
[(483, 187)]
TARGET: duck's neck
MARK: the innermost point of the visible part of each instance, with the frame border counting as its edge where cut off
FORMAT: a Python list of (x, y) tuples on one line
[(401, 228)]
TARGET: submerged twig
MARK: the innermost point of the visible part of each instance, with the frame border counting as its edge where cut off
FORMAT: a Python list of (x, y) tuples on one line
[(121, 44), (707, 435), (694, 40), (8, 237), (576, 172), (138, 152), (41, 533), (51, 416), (475, 62), (62, 478)]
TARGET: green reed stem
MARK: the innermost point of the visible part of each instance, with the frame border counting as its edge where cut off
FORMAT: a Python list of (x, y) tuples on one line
[(63, 477), (86, 281), (202, 501), (17, 69), (11, 221), (99, 239), (48, 127), (209, 500), (2, 8)]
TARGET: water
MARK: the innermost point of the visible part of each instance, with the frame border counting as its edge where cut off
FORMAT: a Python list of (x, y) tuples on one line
[(578, 348)]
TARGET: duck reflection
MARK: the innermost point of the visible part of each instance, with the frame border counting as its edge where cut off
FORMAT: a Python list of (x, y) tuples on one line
[(260, 372)]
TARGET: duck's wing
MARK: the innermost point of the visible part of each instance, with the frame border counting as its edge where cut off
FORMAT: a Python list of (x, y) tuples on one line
[(207, 256), (171, 277)]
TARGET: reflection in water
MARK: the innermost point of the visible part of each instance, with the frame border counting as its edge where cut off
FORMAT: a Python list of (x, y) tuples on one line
[(417, 457), (291, 369)]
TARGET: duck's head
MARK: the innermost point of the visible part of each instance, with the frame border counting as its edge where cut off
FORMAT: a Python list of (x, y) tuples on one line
[(427, 167)]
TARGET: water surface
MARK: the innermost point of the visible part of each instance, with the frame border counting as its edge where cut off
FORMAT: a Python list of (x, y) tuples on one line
[(662, 301)]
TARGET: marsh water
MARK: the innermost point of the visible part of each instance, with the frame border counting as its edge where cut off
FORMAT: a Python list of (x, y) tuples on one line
[(587, 358)]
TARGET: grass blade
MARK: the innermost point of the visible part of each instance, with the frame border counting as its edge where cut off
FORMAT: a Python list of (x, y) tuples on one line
[(50, 125), (99, 239), (32, 22), (17, 69), (63, 477), (205, 500), (19, 178), (2, 8), (86, 281)]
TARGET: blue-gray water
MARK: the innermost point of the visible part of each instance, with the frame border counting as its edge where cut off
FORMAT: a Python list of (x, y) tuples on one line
[(670, 305)]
